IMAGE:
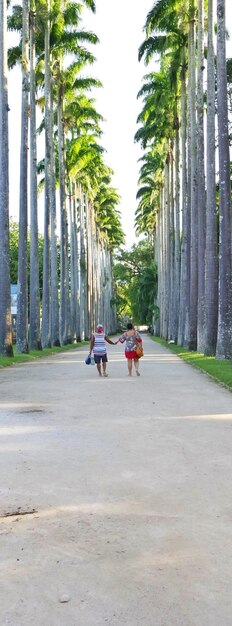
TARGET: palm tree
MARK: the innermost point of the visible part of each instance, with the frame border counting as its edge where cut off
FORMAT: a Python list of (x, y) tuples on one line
[(167, 23), (46, 300), (22, 302), (54, 332), (191, 340), (5, 312), (60, 86), (166, 28), (224, 337), (75, 145), (201, 196), (160, 120), (34, 339), (100, 233), (81, 119), (211, 252), (64, 88), (183, 330)]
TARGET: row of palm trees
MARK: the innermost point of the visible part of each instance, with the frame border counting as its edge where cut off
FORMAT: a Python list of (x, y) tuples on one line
[(183, 126), (73, 175)]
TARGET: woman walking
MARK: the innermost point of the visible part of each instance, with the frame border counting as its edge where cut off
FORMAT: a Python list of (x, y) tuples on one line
[(132, 338), (98, 345)]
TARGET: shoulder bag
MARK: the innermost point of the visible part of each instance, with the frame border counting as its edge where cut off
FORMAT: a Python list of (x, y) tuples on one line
[(139, 348)]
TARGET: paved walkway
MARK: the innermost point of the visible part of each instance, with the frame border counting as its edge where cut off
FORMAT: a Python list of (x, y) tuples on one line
[(130, 481)]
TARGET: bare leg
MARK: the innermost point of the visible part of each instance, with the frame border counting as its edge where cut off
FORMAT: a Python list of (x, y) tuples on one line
[(104, 369), (129, 365), (99, 369), (136, 364)]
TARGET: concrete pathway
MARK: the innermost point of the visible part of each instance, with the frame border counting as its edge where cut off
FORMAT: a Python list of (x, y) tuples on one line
[(130, 481)]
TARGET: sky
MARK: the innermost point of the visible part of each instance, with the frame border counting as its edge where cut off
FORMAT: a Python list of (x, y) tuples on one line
[(119, 26)]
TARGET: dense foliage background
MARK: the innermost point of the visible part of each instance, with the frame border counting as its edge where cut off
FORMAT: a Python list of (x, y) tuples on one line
[(135, 275)]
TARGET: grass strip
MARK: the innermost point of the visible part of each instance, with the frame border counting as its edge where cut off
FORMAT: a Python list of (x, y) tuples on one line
[(6, 361), (220, 371)]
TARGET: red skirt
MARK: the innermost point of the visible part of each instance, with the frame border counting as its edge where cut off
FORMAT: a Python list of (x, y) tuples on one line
[(131, 355)]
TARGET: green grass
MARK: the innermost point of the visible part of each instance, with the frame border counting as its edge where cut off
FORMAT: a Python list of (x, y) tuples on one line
[(221, 371), (38, 354)]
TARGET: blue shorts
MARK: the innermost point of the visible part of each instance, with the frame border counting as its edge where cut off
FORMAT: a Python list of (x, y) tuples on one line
[(100, 357)]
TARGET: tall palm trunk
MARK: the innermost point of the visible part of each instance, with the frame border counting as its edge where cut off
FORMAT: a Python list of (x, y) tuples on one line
[(46, 303), (188, 224), (166, 249), (162, 262), (176, 286), (101, 282), (107, 293), (211, 254), (22, 303), (113, 313), (72, 264), (76, 262), (85, 242), (93, 322), (35, 339), (63, 222), (89, 267), (55, 341), (201, 200), (5, 311), (69, 337), (95, 256), (224, 338), (185, 243), (157, 255), (171, 247), (192, 342), (82, 268)]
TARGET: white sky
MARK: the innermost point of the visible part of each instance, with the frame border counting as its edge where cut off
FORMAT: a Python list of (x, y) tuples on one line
[(119, 26)]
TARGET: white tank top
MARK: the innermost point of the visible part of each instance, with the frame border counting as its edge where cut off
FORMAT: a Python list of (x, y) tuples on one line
[(99, 344)]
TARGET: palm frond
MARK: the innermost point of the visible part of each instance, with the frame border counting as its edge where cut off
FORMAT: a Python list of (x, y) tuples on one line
[(90, 4), (72, 13), (14, 21), (86, 83), (14, 56), (152, 45), (157, 14)]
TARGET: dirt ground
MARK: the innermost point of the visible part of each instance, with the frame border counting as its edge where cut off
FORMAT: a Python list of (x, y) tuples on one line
[(115, 494)]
